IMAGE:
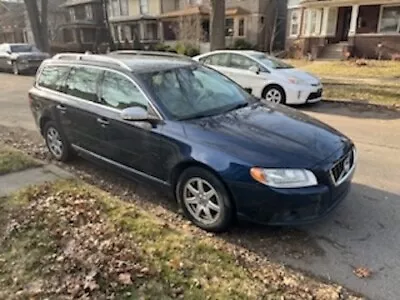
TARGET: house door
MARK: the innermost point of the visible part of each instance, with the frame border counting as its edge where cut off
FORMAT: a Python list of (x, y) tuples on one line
[(343, 24)]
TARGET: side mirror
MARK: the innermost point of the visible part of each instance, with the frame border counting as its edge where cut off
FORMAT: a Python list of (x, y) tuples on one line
[(8, 52), (136, 113), (254, 69)]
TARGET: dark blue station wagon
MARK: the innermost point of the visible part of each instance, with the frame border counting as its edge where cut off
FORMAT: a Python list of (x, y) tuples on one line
[(174, 122)]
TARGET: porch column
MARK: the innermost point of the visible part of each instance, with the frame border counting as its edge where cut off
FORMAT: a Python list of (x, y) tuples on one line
[(325, 19), (309, 22), (354, 18)]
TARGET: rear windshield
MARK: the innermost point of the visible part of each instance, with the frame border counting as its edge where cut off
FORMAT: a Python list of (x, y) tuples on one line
[(23, 48)]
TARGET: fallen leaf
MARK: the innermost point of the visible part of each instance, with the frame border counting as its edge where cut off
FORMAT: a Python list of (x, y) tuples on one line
[(362, 272), (125, 278)]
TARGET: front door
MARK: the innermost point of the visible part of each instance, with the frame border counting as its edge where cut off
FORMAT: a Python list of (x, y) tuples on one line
[(132, 144), (344, 21)]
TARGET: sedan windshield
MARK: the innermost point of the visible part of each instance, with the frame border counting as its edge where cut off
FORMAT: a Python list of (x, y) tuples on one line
[(194, 92), (23, 48), (271, 62)]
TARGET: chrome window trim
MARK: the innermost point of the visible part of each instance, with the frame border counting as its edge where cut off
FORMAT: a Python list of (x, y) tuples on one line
[(351, 171), (119, 165), (159, 115)]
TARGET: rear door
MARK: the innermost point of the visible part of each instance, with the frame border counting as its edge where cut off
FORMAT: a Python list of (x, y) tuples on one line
[(81, 113), (219, 62), (132, 144)]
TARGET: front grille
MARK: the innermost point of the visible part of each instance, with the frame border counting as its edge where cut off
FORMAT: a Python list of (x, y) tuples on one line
[(342, 168), (315, 95)]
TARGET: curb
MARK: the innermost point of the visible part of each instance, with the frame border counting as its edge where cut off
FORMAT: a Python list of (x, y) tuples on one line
[(363, 103)]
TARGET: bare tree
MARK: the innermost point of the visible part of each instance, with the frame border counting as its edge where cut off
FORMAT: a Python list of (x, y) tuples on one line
[(217, 25), (105, 4), (38, 21)]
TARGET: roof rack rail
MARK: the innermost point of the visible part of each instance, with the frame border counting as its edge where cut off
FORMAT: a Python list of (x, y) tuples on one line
[(91, 57), (150, 53)]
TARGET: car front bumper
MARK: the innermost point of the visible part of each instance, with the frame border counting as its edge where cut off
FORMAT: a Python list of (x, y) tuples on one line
[(298, 94)]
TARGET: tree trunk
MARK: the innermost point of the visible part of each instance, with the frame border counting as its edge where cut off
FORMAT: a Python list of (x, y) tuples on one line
[(110, 38), (36, 26), (217, 25), (45, 26)]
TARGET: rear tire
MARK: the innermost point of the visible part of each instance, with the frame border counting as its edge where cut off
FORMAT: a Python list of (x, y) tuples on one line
[(56, 142), (204, 200)]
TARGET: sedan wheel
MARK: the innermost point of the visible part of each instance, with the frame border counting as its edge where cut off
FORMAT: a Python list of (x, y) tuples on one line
[(204, 199), (15, 68), (274, 95)]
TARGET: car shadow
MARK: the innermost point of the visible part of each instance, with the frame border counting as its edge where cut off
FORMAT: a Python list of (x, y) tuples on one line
[(352, 109)]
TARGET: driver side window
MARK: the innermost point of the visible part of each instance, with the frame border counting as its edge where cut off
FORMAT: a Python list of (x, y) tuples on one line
[(117, 91), (242, 62)]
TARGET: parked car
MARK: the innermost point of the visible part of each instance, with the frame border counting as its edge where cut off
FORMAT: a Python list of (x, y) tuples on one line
[(268, 77), (20, 58), (185, 127)]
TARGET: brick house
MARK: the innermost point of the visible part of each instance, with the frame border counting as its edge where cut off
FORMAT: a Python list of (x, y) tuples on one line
[(339, 28), (84, 27), (12, 22)]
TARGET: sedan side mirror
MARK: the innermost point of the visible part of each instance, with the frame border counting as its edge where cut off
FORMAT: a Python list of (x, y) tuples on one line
[(8, 52), (254, 69), (135, 113)]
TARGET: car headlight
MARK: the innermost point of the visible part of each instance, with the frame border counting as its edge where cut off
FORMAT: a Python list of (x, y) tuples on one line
[(295, 80), (284, 178)]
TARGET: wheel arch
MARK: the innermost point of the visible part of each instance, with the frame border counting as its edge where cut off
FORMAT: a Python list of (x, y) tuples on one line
[(43, 121)]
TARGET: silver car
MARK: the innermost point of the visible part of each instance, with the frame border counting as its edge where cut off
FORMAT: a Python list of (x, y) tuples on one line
[(20, 58)]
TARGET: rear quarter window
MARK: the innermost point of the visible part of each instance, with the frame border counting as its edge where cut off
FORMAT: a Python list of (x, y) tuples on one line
[(53, 77)]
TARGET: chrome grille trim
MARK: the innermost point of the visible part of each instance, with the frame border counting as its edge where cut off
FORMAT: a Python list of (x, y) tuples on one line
[(343, 177)]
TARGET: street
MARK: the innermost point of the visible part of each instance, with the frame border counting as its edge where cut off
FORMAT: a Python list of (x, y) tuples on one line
[(363, 232)]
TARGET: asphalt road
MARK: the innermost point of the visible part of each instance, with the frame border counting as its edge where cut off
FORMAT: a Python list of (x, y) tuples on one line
[(363, 232)]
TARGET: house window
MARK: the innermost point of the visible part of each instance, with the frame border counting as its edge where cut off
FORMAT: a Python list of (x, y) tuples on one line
[(150, 31), (315, 21), (144, 7), (295, 23), (241, 27), (390, 19), (72, 14), (305, 22), (229, 27), (89, 12), (124, 7)]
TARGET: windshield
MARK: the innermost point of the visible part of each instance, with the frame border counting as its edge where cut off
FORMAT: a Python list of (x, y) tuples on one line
[(23, 48), (194, 92), (271, 62)]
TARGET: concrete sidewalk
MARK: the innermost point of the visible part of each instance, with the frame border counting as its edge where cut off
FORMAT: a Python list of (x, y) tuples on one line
[(13, 182)]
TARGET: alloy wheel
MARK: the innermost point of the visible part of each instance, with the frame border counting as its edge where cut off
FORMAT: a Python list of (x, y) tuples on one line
[(202, 200), (54, 142), (274, 95)]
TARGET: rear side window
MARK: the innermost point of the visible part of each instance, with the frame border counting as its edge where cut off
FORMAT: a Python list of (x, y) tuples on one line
[(221, 59), (82, 83), (53, 77)]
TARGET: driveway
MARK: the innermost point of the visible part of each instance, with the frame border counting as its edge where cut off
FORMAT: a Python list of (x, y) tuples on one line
[(363, 232)]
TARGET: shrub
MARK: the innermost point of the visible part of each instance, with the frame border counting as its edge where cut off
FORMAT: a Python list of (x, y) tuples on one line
[(187, 49), (242, 44)]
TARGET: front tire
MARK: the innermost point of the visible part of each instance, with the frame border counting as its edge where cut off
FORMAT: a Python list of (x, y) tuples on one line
[(56, 142), (15, 68), (204, 200), (274, 94)]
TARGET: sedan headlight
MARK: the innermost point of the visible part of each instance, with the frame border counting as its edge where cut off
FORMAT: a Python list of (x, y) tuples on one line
[(284, 178), (295, 80)]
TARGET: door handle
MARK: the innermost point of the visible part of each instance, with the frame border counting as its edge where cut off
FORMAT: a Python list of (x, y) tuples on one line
[(103, 122), (62, 108)]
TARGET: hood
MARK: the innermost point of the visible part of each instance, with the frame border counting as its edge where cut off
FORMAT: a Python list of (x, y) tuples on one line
[(270, 135), (300, 74)]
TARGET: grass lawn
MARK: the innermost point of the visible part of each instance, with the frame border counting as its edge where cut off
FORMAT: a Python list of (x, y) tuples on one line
[(376, 94), (374, 68), (12, 160), (70, 240)]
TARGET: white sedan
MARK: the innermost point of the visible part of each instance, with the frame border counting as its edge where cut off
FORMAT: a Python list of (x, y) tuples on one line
[(268, 77)]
